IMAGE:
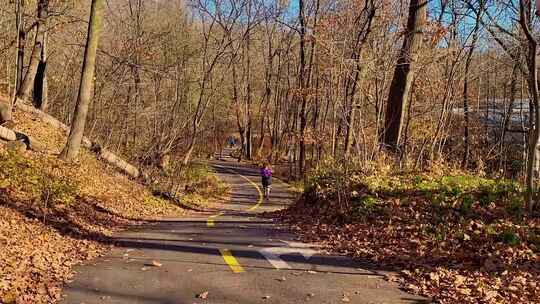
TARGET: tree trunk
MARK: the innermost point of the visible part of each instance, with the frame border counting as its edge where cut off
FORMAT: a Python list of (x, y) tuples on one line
[(21, 41), (534, 132), (350, 127), (6, 108), (353, 85), (71, 150), (187, 156), (301, 80), (41, 96), (5, 112), (36, 56), (508, 117), (466, 106), (403, 75), (465, 161)]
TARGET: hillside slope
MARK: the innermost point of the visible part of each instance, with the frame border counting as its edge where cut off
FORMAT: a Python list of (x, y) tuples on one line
[(55, 214)]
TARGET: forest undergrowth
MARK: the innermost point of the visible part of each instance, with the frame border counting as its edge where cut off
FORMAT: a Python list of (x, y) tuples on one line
[(446, 234)]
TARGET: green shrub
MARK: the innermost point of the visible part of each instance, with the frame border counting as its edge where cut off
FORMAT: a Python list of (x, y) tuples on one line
[(515, 206), (58, 190), (510, 237), (200, 179), (467, 202), (36, 179), (354, 187)]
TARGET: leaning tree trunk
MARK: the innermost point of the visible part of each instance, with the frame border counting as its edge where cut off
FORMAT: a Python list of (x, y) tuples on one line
[(35, 58), (403, 75), (71, 150)]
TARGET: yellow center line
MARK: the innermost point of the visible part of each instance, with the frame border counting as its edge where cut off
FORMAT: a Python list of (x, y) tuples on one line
[(231, 261), (260, 200), (210, 221)]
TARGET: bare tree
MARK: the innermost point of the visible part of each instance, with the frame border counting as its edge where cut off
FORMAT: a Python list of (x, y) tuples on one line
[(71, 150)]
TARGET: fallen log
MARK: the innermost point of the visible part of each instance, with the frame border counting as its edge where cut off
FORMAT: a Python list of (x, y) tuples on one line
[(30, 142), (7, 134), (16, 139), (46, 118), (103, 154), (116, 161)]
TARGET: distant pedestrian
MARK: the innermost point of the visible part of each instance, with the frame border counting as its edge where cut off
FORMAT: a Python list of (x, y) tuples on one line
[(266, 179), (231, 141)]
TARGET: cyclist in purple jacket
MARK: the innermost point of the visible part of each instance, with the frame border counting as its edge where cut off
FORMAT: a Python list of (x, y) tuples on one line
[(266, 179)]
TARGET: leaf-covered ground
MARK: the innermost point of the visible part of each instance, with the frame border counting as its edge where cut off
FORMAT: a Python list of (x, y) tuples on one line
[(36, 259), (54, 214), (454, 238)]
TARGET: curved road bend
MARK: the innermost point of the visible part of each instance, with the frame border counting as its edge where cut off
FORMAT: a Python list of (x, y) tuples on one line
[(230, 253)]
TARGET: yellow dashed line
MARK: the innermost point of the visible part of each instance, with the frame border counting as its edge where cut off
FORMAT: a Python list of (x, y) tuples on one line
[(210, 221), (231, 261)]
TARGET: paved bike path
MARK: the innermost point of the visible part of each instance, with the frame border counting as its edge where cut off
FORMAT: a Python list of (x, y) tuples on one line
[(227, 256)]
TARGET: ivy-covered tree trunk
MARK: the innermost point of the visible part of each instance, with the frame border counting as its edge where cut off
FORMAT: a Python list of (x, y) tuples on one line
[(71, 150)]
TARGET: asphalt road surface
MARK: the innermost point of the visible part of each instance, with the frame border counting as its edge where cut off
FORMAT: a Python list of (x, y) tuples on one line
[(228, 256)]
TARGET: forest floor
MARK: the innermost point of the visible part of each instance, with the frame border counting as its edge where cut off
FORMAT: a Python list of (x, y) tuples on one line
[(452, 237), (54, 214)]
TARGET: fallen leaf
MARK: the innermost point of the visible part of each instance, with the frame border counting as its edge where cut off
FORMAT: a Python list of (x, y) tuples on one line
[(459, 280), (156, 264), (203, 295)]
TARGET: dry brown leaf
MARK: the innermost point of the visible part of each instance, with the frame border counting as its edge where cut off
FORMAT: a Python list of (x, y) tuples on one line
[(203, 295), (156, 264)]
